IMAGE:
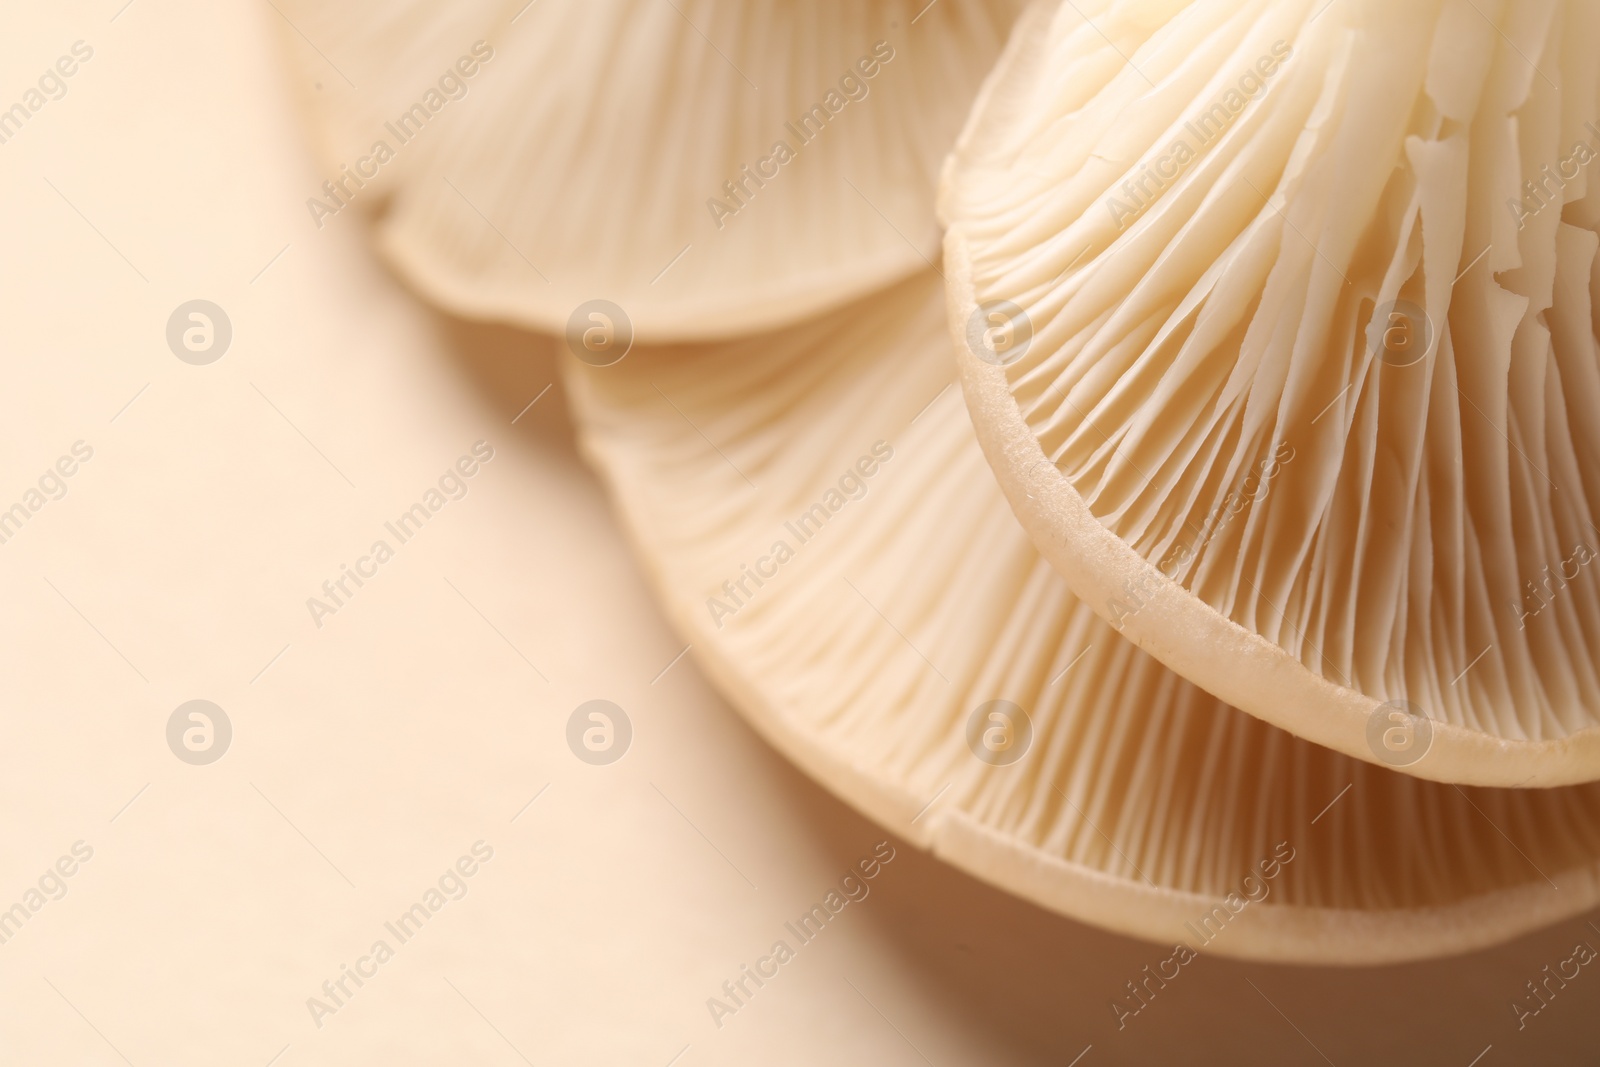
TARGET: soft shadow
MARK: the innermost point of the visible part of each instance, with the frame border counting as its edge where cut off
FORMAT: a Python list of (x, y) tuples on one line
[(1036, 988)]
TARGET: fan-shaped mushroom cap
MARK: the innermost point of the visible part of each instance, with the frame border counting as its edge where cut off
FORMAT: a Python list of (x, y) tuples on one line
[(710, 168), (879, 595), (1289, 372)]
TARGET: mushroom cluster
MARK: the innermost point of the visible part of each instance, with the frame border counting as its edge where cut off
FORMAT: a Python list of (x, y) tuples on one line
[(1202, 549)]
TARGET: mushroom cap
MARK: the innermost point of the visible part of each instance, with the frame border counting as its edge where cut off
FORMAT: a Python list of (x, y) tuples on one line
[(1299, 382), (905, 598), (709, 168)]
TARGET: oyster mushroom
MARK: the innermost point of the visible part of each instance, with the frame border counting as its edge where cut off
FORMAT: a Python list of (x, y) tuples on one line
[(708, 168), (820, 523), (1278, 332)]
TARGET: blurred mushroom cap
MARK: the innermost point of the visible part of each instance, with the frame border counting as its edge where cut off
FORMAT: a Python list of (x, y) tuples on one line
[(704, 168)]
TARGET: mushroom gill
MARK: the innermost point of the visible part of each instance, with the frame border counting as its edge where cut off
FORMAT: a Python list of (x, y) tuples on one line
[(1277, 327), (818, 519)]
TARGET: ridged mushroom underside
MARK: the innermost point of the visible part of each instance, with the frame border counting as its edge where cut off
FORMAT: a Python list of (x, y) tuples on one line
[(1294, 301), (819, 521)]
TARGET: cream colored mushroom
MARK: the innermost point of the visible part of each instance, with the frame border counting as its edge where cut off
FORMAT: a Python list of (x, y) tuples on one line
[(708, 168), (818, 520), (1280, 338)]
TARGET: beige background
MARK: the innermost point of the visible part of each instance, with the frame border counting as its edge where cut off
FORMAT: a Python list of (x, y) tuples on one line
[(370, 753)]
